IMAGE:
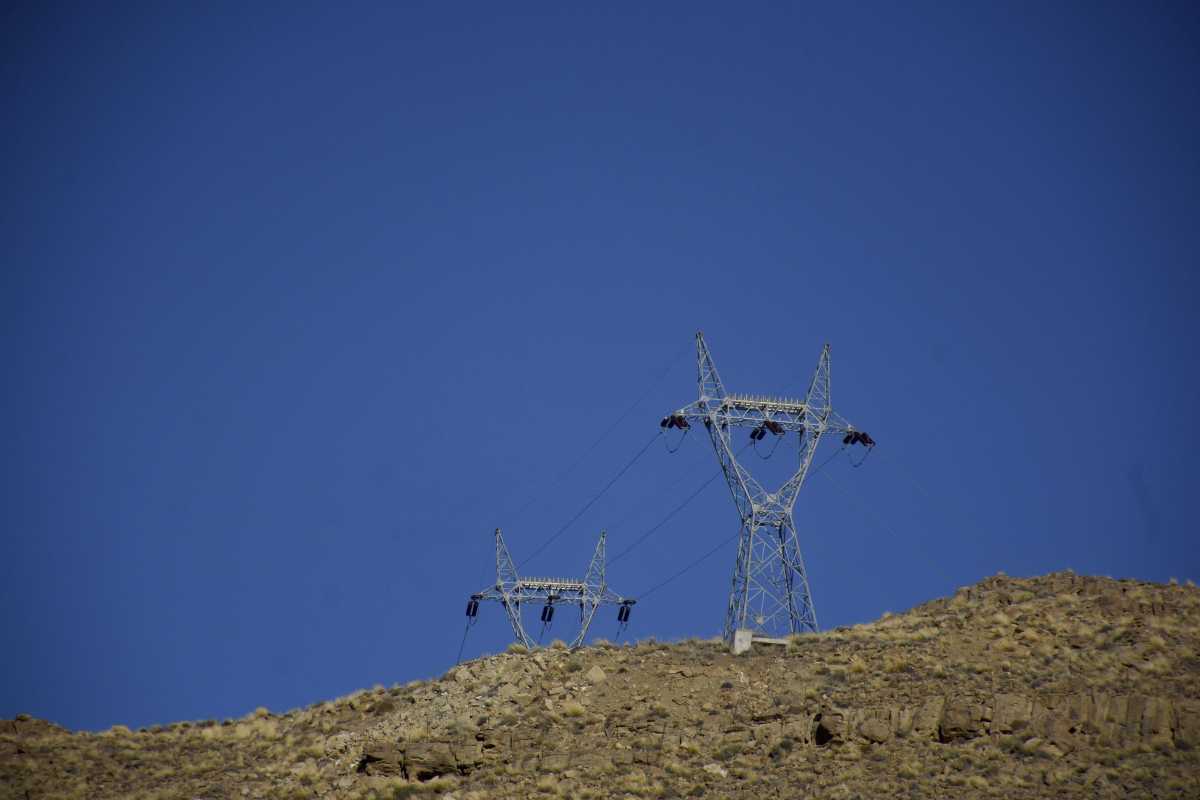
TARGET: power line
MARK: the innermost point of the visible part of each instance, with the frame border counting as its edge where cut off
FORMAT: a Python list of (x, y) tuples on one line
[(662, 373), (688, 568), (665, 519), (639, 507), (595, 497), (672, 512), (864, 507), (702, 558), (972, 522)]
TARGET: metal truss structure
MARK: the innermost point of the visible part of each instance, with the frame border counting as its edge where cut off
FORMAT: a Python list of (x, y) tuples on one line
[(513, 592), (769, 595)]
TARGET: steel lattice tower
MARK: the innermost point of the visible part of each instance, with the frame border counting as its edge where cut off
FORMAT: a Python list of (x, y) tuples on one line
[(512, 591), (769, 595)]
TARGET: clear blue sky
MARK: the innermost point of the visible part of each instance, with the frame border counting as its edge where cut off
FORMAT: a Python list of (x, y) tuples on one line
[(298, 304)]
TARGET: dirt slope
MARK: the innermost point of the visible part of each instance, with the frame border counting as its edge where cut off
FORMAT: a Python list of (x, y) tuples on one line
[(1045, 687)]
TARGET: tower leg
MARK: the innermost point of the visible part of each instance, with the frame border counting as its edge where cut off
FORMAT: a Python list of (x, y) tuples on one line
[(513, 610), (739, 589), (769, 593)]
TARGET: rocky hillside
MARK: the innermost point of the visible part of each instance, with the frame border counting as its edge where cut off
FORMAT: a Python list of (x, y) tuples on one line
[(1045, 687)]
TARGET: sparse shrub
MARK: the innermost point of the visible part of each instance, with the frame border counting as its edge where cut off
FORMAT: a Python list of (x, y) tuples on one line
[(1159, 665), (782, 748), (674, 767), (728, 751), (308, 774), (572, 709), (977, 782), (517, 649)]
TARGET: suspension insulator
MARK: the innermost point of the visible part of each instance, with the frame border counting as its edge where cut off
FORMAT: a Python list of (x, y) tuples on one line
[(472, 608), (867, 440), (846, 439), (665, 421), (548, 614), (680, 421), (773, 426)]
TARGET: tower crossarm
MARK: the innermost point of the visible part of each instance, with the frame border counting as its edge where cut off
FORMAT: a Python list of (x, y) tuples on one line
[(550, 590), (552, 585), (779, 415), (838, 424)]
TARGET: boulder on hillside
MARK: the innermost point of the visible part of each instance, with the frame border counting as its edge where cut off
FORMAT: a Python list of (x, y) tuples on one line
[(1011, 712), (875, 730), (961, 719)]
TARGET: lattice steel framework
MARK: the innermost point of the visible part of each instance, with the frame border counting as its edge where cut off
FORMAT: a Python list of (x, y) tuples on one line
[(769, 594), (513, 592)]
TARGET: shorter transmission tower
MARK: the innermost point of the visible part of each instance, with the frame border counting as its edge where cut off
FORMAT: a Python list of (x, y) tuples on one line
[(513, 591)]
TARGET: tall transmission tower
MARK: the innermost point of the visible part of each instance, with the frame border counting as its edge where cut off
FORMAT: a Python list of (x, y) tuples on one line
[(513, 592), (769, 596)]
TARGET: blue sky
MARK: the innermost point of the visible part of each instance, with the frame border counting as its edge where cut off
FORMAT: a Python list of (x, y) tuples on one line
[(300, 303)]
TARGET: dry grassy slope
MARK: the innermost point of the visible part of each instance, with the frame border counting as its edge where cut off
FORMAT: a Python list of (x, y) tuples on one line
[(1053, 686)]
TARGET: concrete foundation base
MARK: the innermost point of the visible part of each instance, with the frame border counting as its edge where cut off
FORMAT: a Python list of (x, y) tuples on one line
[(743, 638)]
